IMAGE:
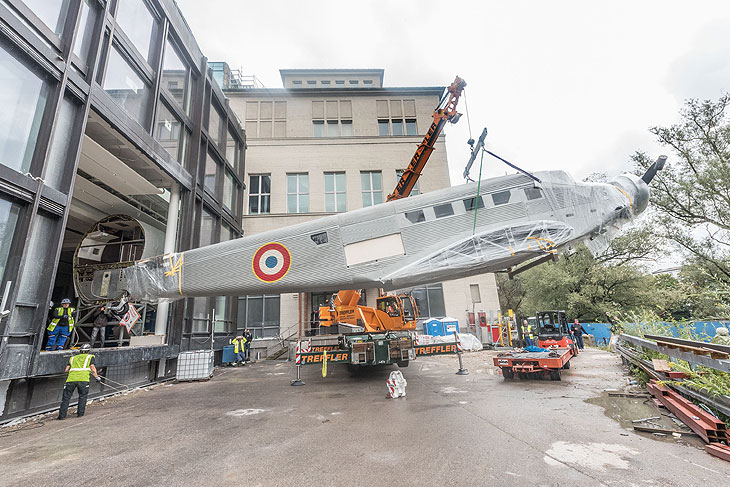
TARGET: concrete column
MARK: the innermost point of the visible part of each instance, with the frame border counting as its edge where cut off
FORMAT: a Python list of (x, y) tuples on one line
[(173, 211)]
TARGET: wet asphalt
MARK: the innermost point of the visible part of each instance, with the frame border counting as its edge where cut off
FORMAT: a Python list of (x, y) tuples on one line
[(248, 426)]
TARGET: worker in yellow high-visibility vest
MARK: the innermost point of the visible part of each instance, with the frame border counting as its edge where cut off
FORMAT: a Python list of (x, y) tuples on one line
[(62, 324), (80, 367), (239, 344)]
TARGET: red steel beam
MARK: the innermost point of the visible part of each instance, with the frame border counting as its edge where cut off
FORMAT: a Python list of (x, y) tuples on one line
[(719, 451), (710, 428)]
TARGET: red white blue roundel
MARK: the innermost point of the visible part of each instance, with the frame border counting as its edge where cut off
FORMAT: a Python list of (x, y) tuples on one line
[(271, 262)]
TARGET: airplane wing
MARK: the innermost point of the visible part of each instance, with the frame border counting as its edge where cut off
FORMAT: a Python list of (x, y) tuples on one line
[(488, 251)]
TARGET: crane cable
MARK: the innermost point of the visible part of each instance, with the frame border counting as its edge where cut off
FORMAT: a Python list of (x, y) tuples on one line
[(466, 109)]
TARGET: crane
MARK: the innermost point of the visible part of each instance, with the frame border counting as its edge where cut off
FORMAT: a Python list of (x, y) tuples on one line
[(396, 312)]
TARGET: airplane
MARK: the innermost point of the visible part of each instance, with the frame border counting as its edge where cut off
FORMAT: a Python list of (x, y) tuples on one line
[(432, 237)]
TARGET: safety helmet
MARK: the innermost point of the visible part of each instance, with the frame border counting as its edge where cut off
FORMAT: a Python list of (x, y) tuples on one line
[(85, 347), (722, 331), (65, 301)]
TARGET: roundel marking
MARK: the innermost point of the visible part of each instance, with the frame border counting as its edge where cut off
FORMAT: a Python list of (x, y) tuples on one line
[(271, 262)]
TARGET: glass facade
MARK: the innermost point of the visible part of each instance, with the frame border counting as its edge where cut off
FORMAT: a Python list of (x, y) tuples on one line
[(23, 100), (76, 107), (372, 187)]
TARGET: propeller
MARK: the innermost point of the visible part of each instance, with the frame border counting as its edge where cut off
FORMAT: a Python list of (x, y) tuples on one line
[(651, 172)]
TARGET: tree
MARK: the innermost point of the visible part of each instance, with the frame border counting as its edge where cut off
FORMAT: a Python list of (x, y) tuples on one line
[(692, 194)]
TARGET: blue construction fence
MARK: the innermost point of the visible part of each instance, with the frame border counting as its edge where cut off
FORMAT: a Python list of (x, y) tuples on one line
[(602, 331)]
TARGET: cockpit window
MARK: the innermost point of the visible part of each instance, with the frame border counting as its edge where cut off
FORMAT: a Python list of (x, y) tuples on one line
[(320, 238), (533, 193), (501, 198)]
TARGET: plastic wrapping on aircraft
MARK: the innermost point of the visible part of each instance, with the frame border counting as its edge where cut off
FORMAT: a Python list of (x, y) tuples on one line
[(156, 279)]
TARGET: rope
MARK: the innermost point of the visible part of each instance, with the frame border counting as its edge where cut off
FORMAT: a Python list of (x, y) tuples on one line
[(466, 109), (476, 200)]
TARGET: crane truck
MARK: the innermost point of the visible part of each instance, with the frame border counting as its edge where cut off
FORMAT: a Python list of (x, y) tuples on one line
[(385, 334)]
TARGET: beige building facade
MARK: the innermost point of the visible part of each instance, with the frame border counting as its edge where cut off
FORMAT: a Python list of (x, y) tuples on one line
[(333, 141)]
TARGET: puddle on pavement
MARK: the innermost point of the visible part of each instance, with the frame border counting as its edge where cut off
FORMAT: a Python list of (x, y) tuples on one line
[(627, 409)]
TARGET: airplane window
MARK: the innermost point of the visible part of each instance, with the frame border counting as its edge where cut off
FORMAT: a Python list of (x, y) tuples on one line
[(320, 238), (501, 198), (533, 193), (469, 204), (415, 216), (443, 210)]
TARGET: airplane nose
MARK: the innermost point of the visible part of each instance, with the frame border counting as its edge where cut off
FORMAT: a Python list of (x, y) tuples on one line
[(635, 189)]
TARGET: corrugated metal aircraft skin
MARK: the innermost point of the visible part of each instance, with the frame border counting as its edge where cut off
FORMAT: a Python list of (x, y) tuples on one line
[(412, 241)]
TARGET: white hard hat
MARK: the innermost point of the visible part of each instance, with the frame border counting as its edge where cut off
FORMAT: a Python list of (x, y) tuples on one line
[(722, 331)]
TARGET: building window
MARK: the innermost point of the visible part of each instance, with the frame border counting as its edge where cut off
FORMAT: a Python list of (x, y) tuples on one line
[(23, 100), (311, 82), (332, 118), (223, 322), (85, 34), (296, 82), (340, 82), (139, 25), (372, 187), (53, 14), (9, 212), (367, 81), (175, 77), (230, 190), (58, 162), (259, 194), (214, 124), (207, 228), (201, 315), (325, 82), (297, 193), (335, 195), (260, 314), (396, 117), (443, 210), (127, 88), (354, 82), (416, 188), (471, 203), (211, 173), (430, 301), (169, 132), (266, 119)]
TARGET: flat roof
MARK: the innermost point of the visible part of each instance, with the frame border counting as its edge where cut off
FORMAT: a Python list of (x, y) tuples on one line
[(293, 72), (415, 90)]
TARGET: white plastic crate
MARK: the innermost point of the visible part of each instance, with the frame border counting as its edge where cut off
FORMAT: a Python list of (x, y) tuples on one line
[(195, 365)]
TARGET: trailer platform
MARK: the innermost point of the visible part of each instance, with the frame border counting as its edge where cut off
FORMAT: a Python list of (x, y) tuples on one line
[(526, 364)]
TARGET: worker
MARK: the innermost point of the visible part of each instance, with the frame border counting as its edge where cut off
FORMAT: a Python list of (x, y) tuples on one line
[(527, 333), (578, 332), (79, 368), (62, 324), (721, 336), (100, 322), (239, 344), (249, 338)]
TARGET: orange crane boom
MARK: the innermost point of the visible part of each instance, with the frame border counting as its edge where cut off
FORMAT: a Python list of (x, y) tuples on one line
[(445, 112)]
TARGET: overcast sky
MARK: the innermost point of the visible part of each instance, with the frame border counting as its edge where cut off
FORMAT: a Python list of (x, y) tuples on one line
[(568, 85)]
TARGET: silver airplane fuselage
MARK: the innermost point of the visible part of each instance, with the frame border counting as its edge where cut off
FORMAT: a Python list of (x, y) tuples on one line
[(437, 236)]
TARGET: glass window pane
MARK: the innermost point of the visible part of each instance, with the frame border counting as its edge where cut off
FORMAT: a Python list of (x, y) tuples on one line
[(333, 129), (126, 87), (214, 125), (207, 228), (367, 199), (175, 77), (38, 260), (329, 202), (303, 203), (291, 183), (303, 183), (211, 169), (340, 181), (341, 202), (52, 13), (365, 180), (58, 158), (443, 210), (266, 184), (265, 207), (318, 128), (9, 212), (253, 205), (329, 182), (85, 34), (383, 127), (138, 24), (501, 198), (231, 144), (23, 101), (254, 311), (377, 180), (228, 191), (167, 131), (411, 127), (253, 186), (221, 308), (291, 203), (346, 128), (397, 127), (377, 197), (271, 310), (436, 300)]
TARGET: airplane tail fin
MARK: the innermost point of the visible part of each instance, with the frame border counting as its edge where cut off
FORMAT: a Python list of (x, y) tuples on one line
[(651, 172)]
